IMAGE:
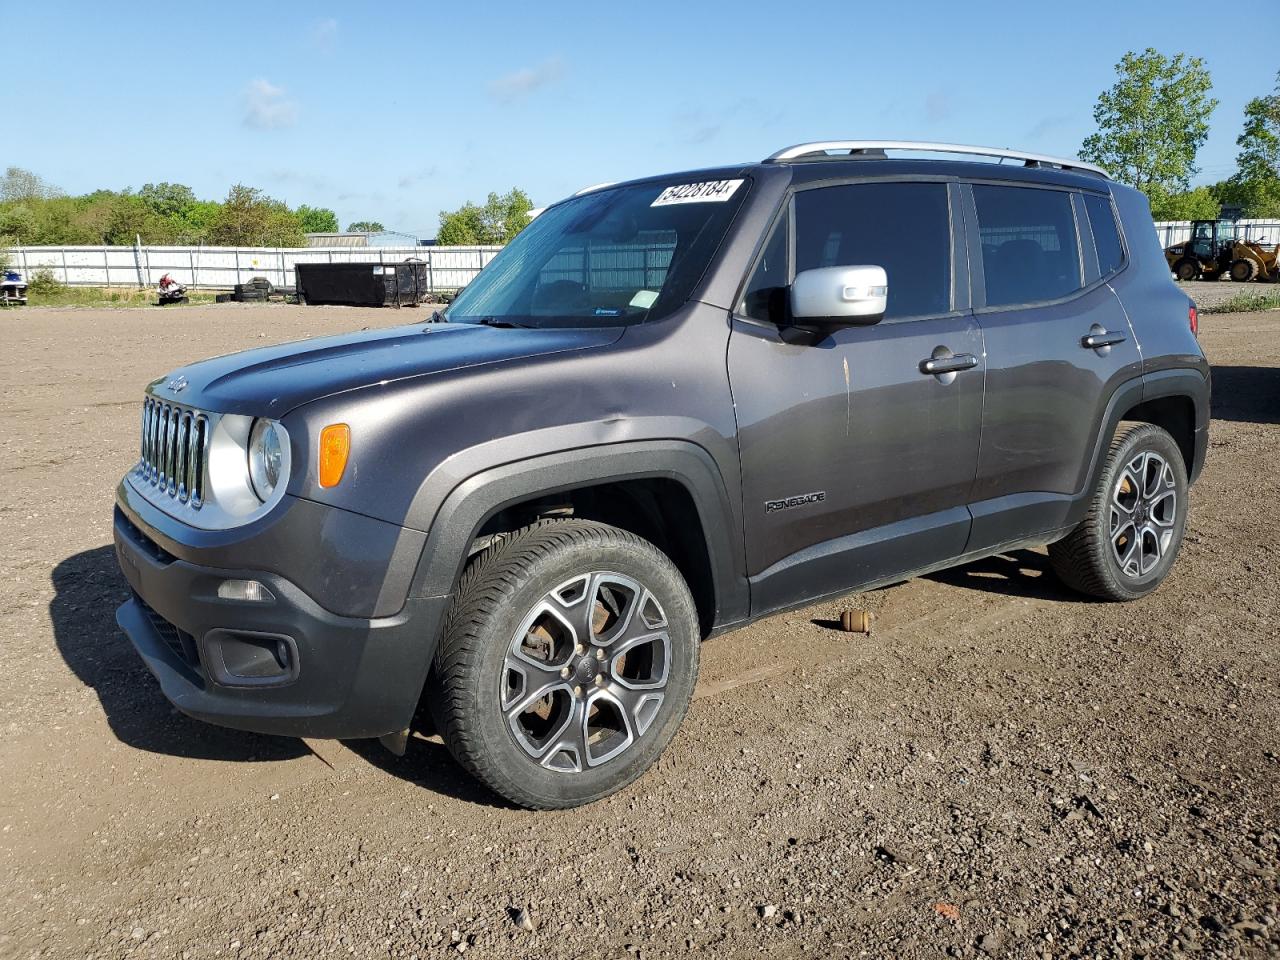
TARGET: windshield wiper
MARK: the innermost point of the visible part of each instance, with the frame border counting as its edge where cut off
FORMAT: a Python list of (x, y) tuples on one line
[(437, 317), (499, 322)]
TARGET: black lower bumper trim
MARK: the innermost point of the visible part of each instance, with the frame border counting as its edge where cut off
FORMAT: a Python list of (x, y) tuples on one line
[(354, 677)]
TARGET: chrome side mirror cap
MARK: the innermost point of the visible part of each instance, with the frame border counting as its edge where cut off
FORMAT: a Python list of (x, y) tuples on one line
[(840, 296)]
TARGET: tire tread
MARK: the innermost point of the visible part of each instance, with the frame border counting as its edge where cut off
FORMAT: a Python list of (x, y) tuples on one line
[(489, 581), (1079, 559)]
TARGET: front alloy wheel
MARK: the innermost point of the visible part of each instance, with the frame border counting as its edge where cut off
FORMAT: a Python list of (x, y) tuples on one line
[(586, 672), (567, 663)]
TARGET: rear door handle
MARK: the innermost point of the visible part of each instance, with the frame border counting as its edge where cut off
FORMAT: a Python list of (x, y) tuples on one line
[(1099, 337), (936, 366)]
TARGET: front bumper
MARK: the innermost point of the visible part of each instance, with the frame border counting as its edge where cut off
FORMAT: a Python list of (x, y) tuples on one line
[(349, 676)]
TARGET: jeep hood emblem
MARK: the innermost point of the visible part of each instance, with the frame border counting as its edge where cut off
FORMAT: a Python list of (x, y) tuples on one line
[(176, 385)]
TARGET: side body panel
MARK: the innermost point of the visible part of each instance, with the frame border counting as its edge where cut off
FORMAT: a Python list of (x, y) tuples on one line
[(856, 464), (891, 451), (1156, 307), (412, 449), (1047, 398)]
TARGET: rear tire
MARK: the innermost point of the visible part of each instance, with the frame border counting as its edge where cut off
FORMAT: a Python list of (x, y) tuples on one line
[(1128, 541), (568, 662), (1242, 271)]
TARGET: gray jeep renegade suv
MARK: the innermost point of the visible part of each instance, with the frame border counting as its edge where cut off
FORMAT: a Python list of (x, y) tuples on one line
[(669, 407)]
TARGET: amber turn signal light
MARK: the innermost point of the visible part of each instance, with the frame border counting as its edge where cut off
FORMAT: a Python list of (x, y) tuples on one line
[(335, 446)]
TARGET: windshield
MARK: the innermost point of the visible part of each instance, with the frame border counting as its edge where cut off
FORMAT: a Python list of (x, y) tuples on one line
[(612, 257)]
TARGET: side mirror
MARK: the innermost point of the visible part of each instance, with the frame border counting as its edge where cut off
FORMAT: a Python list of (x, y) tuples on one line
[(839, 296)]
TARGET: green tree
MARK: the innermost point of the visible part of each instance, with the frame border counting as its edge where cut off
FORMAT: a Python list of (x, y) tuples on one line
[(1202, 203), (168, 199), (17, 222), (365, 226), (317, 219), (460, 228), (117, 219), (19, 184), (33, 212), (1151, 123), (497, 222), (1255, 185), (249, 217)]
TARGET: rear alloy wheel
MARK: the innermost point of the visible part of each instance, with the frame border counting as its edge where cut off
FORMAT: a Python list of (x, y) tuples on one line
[(1124, 547), (1186, 270), (568, 662)]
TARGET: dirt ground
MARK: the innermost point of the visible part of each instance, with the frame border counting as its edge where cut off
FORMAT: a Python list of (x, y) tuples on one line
[(1002, 769)]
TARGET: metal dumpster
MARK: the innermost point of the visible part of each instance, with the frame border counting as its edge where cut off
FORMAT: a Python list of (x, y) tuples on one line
[(362, 284)]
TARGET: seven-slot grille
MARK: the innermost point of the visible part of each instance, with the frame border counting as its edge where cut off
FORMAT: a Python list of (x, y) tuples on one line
[(174, 444)]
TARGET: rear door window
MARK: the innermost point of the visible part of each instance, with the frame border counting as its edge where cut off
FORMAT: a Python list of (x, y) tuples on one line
[(1029, 248), (1106, 236), (903, 227)]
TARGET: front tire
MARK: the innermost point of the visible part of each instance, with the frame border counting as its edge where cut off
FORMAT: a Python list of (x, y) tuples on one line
[(1127, 543), (568, 662), (1186, 270), (1243, 271)]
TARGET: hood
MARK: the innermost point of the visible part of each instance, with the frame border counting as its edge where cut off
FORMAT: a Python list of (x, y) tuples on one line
[(271, 381)]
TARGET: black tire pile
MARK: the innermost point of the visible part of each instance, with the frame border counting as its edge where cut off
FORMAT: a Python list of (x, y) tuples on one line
[(257, 290)]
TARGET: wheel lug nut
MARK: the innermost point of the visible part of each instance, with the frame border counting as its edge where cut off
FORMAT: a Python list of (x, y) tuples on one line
[(564, 672), (599, 679), (577, 691), (579, 649), (599, 654)]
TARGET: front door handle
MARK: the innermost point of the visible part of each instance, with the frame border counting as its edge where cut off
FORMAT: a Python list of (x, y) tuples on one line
[(938, 365), (1098, 338)]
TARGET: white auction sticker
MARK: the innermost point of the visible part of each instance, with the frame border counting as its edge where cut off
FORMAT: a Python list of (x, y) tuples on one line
[(709, 191)]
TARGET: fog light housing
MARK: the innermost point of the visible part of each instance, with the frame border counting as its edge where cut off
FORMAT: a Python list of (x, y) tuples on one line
[(250, 591), (244, 658)]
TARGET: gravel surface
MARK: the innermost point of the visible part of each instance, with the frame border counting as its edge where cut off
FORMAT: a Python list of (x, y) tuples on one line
[(1001, 769)]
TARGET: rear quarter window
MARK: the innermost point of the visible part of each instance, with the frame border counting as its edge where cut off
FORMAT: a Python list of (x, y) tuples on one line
[(1106, 235)]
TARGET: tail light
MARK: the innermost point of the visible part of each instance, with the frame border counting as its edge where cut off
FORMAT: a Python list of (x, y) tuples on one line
[(1193, 318)]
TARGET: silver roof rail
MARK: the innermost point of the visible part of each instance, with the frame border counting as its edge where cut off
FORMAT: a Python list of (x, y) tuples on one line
[(871, 147)]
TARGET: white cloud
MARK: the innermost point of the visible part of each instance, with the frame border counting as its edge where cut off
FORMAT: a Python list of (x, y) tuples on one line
[(521, 83), (410, 180), (267, 107), (324, 35)]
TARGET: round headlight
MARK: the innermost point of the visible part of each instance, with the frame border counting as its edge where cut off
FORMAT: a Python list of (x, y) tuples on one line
[(265, 456)]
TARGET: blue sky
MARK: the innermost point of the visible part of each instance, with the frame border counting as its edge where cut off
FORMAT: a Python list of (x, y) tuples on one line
[(394, 112)]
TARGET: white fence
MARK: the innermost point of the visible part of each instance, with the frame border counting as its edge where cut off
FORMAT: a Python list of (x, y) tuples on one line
[(448, 268), (1179, 231)]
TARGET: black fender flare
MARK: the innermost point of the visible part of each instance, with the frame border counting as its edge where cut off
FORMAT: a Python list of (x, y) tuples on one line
[(470, 503), (1196, 386), (1179, 382)]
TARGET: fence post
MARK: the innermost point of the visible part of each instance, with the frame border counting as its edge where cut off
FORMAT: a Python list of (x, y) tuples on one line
[(106, 266), (431, 283), (191, 259), (66, 277)]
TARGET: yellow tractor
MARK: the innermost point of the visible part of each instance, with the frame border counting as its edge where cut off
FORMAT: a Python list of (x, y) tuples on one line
[(1216, 248)]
